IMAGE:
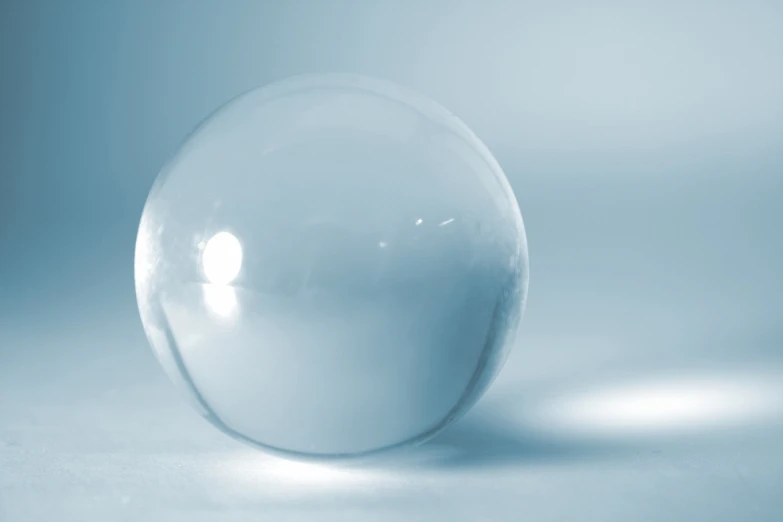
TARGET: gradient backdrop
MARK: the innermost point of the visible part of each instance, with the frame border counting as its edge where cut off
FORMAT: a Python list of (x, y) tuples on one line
[(644, 141)]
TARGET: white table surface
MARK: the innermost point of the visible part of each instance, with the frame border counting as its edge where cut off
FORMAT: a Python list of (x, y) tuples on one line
[(586, 422)]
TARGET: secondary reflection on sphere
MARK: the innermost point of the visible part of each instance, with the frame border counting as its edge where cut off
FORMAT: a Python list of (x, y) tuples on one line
[(331, 266)]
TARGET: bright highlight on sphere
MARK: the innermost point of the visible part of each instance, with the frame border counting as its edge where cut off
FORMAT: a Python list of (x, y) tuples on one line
[(331, 266), (222, 258)]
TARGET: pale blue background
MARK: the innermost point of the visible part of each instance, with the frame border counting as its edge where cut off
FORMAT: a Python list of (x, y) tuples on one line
[(644, 142)]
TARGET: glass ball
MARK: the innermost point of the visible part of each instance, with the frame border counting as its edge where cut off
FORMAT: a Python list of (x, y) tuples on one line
[(331, 266)]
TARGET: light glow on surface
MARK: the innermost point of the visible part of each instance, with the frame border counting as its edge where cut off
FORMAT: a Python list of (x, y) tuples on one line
[(251, 469), (222, 258), (675, 404)]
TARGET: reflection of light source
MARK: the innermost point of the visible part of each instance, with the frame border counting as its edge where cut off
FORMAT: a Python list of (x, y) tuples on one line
[(221, 261), (221, 299), (671, 405), (222, 258)]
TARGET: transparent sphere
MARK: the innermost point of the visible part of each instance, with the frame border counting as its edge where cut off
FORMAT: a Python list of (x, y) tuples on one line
[(331, 266)]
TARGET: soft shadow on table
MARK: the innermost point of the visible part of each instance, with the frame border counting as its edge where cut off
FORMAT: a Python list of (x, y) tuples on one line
[(484, 439)]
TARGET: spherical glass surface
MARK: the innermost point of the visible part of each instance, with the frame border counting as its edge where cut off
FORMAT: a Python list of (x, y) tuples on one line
[(331, 266)]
